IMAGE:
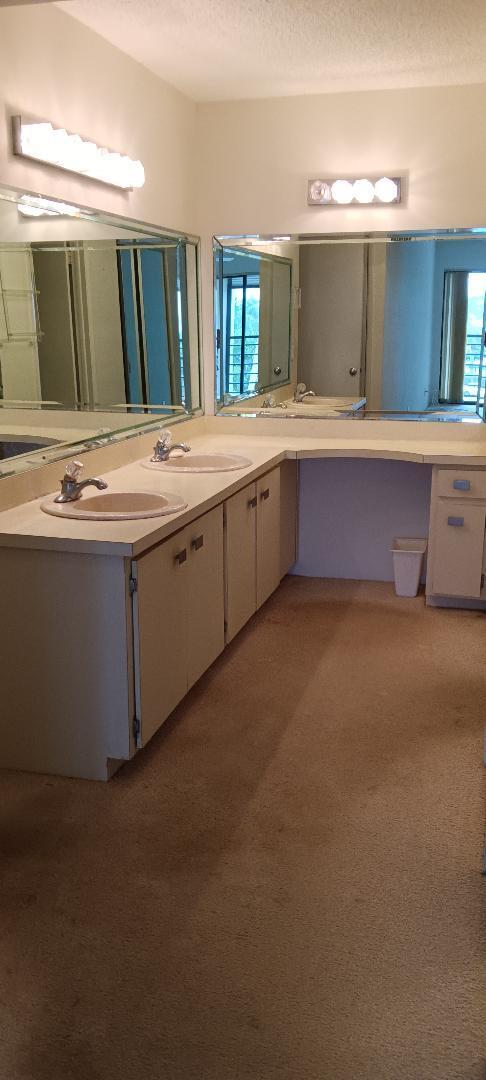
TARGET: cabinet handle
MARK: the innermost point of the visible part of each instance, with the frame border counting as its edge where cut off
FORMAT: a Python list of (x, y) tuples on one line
[(459, 521), (197, 543), (181, 557), (265, 494), (252, 502), (462, 485)]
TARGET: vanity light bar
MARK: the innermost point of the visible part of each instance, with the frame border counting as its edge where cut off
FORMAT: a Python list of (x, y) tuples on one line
[(55, 146), (363, 191)]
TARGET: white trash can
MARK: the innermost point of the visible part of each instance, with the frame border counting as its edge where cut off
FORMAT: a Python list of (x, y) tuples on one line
[(408, 560)]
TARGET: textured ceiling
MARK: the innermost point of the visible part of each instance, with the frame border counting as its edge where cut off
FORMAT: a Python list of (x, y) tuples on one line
[(227, 49)]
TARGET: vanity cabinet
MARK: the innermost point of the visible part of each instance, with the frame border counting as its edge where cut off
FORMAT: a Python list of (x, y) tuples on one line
[(456, 563), (178, 616), (260, 542), (101, 646)]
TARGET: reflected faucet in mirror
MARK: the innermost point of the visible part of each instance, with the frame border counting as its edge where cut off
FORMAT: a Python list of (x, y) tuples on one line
[(301, 392), (72, 488)]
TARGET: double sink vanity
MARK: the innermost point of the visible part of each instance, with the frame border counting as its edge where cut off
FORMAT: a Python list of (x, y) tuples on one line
[(110, 621)]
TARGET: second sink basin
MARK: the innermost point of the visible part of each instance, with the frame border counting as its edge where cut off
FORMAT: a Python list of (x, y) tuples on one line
[(116, 506), (200, 463)]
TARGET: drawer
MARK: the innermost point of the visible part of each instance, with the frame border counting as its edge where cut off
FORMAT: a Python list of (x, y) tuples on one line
[(467, 484)]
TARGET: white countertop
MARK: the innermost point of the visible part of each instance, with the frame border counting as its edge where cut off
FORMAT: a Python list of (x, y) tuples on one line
[(27, 526)]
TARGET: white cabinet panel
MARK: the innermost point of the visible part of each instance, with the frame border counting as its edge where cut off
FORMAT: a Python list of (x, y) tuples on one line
[(205, 593), (268, 535), (457, 551), (178, 617), (288, 515), (240, 559), (461, 484), (160, 633)]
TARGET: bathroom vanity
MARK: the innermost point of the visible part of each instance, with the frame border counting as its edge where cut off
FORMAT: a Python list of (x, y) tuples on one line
[(111, 623)]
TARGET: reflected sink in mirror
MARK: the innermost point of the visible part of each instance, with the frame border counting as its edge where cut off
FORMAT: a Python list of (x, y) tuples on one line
[(200, 463), (116, 506), (339, 404)]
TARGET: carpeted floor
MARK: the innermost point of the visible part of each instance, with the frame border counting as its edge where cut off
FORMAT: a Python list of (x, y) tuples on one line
[(285, 885)]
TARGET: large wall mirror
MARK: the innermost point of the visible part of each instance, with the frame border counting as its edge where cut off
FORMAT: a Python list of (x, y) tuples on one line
[(375, 326), (99, 328)]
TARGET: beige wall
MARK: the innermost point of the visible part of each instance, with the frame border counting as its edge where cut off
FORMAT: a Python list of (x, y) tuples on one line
[(53, 68), (255, 157)]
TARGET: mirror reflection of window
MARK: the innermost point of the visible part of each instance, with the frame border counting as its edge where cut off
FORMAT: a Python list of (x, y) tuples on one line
[(463, 331), (253, 316), (242, 331)]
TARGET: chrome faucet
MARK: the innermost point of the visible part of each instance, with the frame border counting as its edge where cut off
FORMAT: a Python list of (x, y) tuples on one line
[(301, 392), (164, 447), (270, 403), (71, 487)]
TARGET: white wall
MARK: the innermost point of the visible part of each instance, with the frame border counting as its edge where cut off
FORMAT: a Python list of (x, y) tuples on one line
[(255, 158), (54, 68), (350, 511)]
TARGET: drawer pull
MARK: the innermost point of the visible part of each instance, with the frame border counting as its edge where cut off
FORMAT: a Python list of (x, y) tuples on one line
[(265, 494), (462, 485), (197, 543), (458, 521), (252, 502), (181, 557)]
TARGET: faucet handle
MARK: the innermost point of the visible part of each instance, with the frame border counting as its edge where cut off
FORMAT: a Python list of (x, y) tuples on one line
[(300, 388), (73, 469), (164, 438)]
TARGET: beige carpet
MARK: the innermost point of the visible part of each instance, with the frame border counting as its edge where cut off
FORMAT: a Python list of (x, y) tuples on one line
[(285, 885)]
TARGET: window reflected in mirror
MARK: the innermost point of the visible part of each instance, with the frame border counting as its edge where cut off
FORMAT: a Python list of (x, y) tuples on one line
[(254, 336)]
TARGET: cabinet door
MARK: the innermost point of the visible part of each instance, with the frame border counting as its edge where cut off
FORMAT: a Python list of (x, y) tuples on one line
[(458, 544), (268, 535), (240, 517), (205, 593), (160, 632), (288, 515)]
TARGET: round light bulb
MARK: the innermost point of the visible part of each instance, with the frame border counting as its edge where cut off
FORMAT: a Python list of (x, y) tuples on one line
[(320, 192), (386, 190), (363, 191), (342, 191)]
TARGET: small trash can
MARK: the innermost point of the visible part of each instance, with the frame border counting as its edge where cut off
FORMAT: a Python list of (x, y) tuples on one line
[(408, 560)]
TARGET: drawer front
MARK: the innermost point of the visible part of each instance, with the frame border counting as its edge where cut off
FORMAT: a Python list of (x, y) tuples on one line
[(458, 546), (467, 484)]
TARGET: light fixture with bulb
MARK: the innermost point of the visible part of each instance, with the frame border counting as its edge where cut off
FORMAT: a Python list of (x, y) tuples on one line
[(348, 191), (55, 146)]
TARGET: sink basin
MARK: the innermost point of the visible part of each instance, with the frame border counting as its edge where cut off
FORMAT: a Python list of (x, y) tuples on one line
[(116, 506), (200, 463), (338, 404)]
